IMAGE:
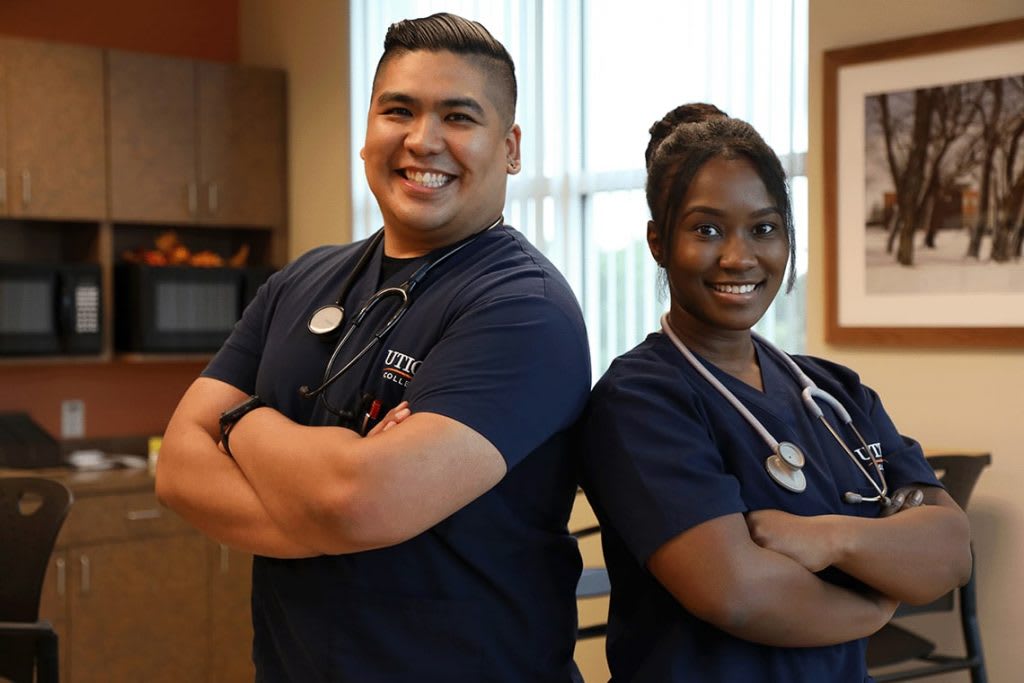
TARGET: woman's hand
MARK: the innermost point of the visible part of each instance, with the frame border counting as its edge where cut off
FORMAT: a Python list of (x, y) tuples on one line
[(809, 541), (393, 417), (904, 499)]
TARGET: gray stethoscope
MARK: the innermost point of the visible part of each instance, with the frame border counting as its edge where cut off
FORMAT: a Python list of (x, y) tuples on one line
[(785, 465), (327, 320)]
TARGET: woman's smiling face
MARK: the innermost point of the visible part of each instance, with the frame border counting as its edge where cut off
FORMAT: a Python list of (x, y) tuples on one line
[(727, 251)]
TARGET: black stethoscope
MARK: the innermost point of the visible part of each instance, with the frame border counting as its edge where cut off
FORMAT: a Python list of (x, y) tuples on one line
[(327, 320), (785, 465)]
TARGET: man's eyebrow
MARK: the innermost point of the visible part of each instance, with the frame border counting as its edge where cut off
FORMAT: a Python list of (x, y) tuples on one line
[(464, 102), (392, 97)]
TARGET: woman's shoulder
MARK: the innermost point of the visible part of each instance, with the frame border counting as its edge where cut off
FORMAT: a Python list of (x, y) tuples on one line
[(653, 365), (824, 371)]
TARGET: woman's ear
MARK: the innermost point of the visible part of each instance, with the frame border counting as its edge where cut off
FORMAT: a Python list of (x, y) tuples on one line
[(654, 242)]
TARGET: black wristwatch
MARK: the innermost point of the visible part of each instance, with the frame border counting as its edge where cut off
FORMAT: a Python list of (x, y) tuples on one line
[(230, 417)]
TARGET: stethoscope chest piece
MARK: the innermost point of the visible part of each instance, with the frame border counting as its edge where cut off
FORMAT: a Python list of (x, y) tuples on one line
[(785, 467), (326, 320)]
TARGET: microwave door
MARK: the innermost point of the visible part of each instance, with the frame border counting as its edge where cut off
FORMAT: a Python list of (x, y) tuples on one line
[(28, 310)]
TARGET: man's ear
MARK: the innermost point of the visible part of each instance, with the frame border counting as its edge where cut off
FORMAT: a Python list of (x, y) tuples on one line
[(654, 242), (512, 149)]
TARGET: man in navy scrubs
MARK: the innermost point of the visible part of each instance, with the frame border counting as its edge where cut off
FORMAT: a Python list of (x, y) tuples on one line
[(409, 520)]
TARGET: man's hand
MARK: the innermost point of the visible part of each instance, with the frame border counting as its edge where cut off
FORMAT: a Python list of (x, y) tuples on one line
[(393, 417)]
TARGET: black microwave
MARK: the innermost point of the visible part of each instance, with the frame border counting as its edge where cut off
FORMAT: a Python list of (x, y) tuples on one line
[(180, 308), (50, 308)]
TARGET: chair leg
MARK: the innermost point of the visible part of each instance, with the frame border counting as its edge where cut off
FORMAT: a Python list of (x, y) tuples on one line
[(972, 632), (48, 670)]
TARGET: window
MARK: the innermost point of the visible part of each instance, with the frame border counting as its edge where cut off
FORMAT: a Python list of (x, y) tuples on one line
[(593, 76)]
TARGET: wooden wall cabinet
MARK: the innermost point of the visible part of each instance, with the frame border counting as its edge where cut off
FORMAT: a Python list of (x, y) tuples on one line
[(52, 135), (195, 142), (138, 595)]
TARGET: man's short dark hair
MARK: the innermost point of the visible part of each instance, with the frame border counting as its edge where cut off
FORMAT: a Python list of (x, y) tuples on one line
[(452, 33)]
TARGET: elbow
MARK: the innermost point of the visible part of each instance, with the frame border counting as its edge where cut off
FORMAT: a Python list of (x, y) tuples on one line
[(342, 522), (951, 574), (731, 610)]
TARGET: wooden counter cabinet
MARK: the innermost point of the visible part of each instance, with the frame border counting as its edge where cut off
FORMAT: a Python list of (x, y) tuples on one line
[(52, 131), (137, 595)]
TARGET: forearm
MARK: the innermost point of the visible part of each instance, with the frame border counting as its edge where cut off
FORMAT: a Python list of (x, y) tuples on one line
[(299, 475), (721, 576), (913, 556), (781, 604), (204, 486)]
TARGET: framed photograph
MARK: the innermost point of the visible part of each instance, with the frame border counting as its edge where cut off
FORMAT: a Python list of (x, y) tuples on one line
[(924, 189)]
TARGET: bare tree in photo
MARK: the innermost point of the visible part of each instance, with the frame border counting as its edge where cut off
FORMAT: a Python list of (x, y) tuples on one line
[(1008, 227), (990, 112), (917, 159)]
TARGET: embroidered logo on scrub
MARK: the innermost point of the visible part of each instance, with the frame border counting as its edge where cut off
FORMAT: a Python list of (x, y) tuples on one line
[(400, 368), (874, 449)]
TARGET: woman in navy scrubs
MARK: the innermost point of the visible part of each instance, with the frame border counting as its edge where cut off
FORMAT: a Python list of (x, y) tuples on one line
[(725, 566)]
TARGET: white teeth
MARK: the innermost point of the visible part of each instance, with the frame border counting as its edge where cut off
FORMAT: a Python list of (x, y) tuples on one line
[(431, 180), (734, 289)]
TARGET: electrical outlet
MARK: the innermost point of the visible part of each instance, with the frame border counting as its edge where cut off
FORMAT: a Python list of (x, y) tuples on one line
[(72, 419)]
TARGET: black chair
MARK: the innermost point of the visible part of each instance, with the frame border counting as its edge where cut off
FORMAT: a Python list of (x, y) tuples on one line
[(894, 643), (593, 583), (32, 511)]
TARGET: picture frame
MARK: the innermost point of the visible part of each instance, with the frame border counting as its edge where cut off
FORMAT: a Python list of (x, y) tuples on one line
[(914, 255)]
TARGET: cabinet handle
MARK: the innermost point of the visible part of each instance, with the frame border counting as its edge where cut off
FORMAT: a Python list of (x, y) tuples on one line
[(3, 186), (212, 197), (137, 515), (193, 198), (26, 187), (86, 574), (62, 577), (225, 559)]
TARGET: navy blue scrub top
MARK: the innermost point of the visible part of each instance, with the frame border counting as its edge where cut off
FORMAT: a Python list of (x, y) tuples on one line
[(495, 340), (664, 452)]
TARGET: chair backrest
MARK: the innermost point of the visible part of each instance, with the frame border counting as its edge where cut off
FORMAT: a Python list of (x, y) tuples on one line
[(32, 511), (958, 473)]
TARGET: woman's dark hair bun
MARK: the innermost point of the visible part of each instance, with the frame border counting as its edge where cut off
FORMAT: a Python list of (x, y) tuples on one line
[(694, 112)]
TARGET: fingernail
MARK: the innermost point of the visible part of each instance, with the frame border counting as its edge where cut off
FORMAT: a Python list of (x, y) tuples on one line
[(918, 497)]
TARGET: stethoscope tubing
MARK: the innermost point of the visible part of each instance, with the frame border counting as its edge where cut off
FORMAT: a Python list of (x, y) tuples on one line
[(810, 393), (403, 291)]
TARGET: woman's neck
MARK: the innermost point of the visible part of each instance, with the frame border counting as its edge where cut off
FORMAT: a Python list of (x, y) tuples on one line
[(731, 351)]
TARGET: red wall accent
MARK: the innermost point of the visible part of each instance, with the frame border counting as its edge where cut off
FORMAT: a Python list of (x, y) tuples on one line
[(203, 29), (121, 399)]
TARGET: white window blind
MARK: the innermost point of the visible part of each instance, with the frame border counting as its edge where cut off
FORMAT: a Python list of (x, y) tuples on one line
[(593, 76)]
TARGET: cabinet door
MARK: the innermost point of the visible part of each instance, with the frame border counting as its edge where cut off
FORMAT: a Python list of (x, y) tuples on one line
[(4, 175), (152, 140), (138, 611), (56, 167), (241, 145), (230, 573), (53, 605)]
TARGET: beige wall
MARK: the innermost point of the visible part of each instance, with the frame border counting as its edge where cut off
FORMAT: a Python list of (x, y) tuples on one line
[(310, 40), (955, 399)]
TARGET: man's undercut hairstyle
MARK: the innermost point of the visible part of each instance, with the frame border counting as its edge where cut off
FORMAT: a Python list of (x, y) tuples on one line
[(452, 33), (688, 137)]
